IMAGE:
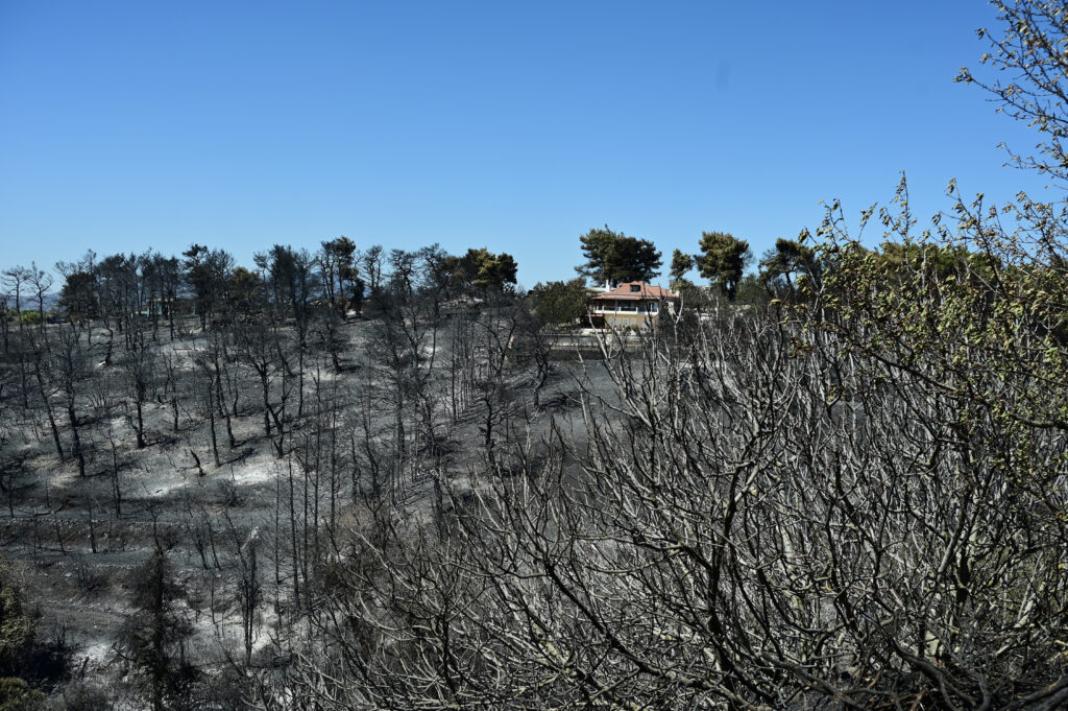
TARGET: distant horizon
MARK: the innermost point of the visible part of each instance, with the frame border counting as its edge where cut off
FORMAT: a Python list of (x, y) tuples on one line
[(125, 127)]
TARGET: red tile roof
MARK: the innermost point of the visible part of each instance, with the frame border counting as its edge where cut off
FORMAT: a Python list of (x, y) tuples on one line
[(646, 292)]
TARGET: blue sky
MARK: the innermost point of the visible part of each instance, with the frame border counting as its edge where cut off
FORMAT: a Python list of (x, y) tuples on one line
[(517, 126)]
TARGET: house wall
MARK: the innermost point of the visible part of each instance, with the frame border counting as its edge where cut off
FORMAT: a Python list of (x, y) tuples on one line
[(624, 320), (628, 313)]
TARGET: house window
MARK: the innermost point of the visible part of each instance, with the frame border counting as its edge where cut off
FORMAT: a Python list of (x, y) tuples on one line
[(635, 288)]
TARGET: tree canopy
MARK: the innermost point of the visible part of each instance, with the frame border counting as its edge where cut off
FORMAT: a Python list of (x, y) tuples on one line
[(560, 302), (488, 271), (789, 261), (613, 257), (681, 264), (722, 261)]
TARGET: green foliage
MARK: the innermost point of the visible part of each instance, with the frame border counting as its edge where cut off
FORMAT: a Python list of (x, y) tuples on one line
[(478, 271), (24, 657), (340, 277), (244, 292), (900, 262), (17, 627), (206, 271), (693, 296), (78, 296), (488, 271), (722, 261), (153, 640), (342, 252), (614, 258), (751, 291), (16, 695), (30, 318), (681, 264), (560, 302), (789, 268), (979, 312)]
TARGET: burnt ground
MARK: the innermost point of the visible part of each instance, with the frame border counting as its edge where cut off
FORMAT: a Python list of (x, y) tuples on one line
[(77, 552)]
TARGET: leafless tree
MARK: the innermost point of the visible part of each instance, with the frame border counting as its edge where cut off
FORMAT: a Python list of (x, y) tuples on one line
[(16, 279), (71, 371), (802, 508), (41, 283), (139, 366)]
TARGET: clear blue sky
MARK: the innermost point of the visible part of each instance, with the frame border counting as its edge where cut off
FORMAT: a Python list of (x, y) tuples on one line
[(518, 126)]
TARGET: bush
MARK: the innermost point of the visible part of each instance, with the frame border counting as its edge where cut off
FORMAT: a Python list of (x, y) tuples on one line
[(560, 303), (84, 696), (22, 654), (16, 695)]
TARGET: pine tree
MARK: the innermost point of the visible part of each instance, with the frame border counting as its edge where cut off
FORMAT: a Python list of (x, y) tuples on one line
[(153, 640)]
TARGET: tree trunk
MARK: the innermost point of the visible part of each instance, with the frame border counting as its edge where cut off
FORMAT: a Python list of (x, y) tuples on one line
[(51, 414), (140, 423), (76, 440), (211, 418)]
